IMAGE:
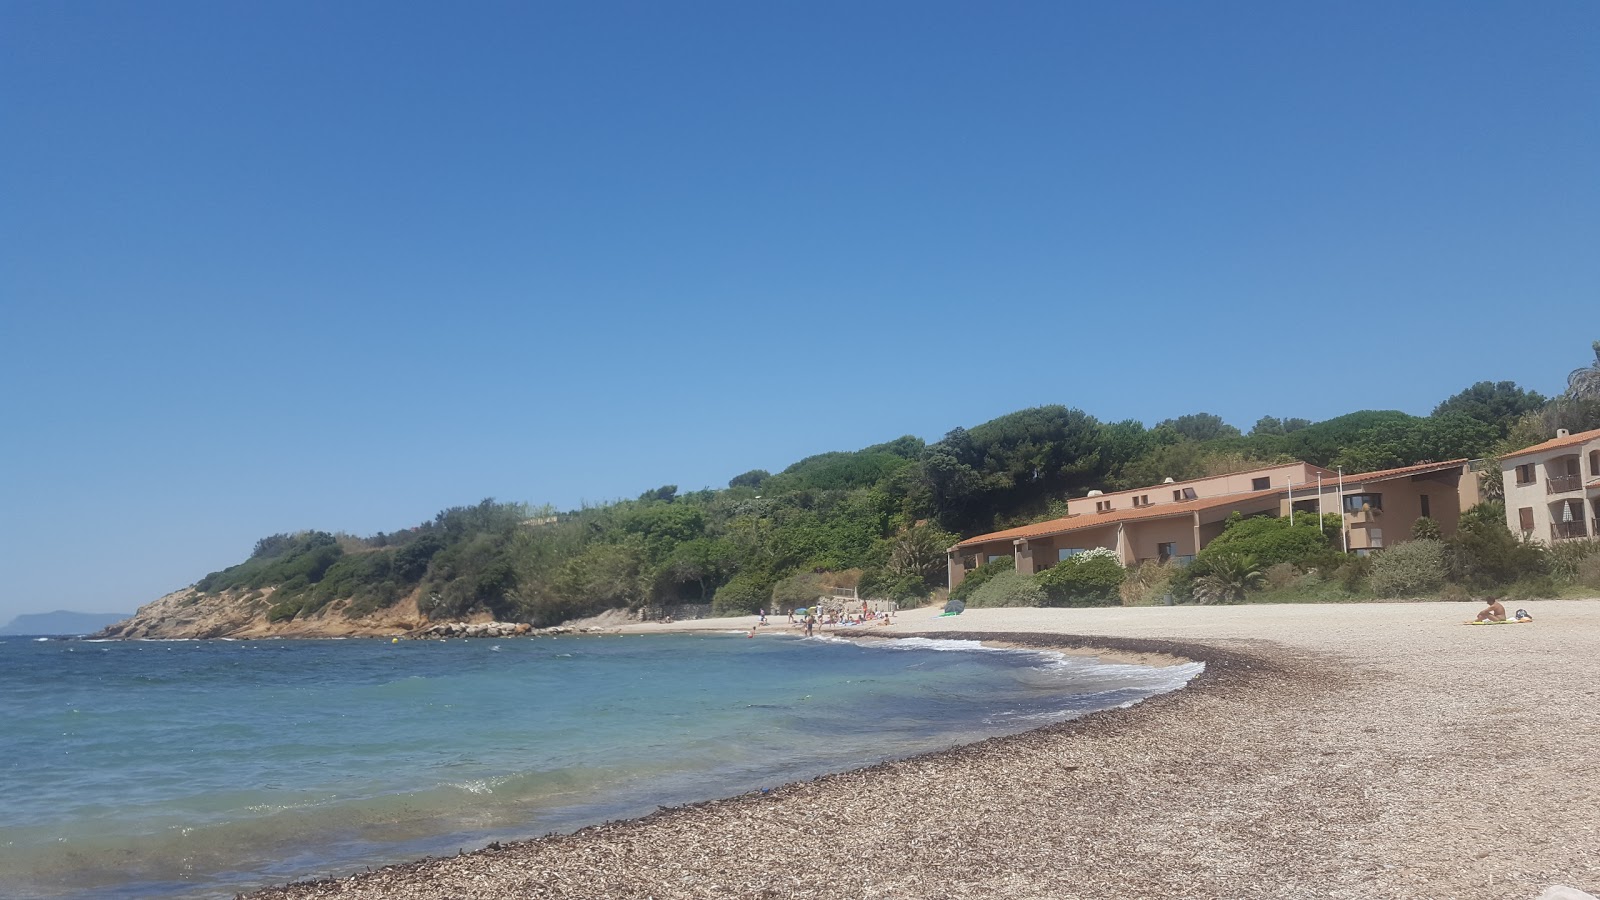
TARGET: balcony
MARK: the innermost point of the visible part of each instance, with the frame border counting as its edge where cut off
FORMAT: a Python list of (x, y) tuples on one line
[(1566, 531), (1561, 484), (1366, 515)]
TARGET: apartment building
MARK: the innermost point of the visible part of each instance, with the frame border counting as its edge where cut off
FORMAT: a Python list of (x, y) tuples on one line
[(1173, 520), (1553, 489)]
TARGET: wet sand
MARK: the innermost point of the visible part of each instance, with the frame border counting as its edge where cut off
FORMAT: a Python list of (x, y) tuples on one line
[(1328, 751)]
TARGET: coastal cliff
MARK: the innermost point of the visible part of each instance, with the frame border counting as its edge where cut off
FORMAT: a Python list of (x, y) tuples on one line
[(190, 613)]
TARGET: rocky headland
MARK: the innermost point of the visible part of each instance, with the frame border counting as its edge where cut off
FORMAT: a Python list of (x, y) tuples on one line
[(190, 613)]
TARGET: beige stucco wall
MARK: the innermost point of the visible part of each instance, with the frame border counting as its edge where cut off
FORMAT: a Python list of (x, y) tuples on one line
[(1281, 476), (1537, 495), (1402, 506), (1144, 538)]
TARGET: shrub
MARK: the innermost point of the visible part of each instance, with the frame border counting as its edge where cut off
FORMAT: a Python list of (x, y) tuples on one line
[(881, 584), (740, 596), (1425, 529), (1533, 587), (1087, 579), (1147, 583), (981, 574), (1281, 575), (1352, 575), (1410, 569), (1228, 578), (282, 612), (1567, 557), (1270, 541), (1588, 573), (1486, 554), (799, 589), (1008, 589)]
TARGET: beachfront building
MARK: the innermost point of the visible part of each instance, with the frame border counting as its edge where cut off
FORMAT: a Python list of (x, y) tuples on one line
[(1173, 520), (1553, 489)]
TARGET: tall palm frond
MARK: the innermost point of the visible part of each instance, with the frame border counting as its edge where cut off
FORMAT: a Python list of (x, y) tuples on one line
[(1229, 579), (1584, 383)]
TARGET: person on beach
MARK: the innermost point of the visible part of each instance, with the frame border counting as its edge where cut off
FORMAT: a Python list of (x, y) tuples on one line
[(811, 622), (763, 614), (1494, 612)]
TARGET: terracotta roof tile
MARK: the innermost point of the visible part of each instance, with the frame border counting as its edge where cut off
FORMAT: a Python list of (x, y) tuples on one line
[(1138, 514), (1085, 521), (1581, 437), (1386, 474)]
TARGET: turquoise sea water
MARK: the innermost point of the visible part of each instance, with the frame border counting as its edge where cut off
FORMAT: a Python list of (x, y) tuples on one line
[(201, 768)]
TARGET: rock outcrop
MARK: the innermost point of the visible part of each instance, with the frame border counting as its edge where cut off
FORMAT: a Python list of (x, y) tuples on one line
[(499, 630), (243, 614)]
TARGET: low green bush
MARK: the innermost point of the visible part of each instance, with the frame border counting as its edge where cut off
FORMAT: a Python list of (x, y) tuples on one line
[(1008, 589), (1281, 575), (1411, 569), (1487, 555), (1568, 557), (1537, 587), (1270, 541), (742, 595), (1352, 574), (1588, 572), (1425, 529), (976, 578), (1087, 579)]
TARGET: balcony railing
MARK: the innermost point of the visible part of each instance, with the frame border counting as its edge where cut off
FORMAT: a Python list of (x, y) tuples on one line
[(1566, 531), (1560, 484), (1366, 515)]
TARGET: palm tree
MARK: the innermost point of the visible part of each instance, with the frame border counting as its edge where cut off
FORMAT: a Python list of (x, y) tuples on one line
[(1230, 577), (1584, 383)]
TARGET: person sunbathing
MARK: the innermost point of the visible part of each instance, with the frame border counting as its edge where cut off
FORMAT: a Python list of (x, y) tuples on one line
[(1494, 612)]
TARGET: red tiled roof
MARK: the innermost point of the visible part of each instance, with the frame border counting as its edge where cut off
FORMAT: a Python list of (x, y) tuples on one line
[(1581, 437), (1085, 521), (1138, 514), (1386, 474), (1242, 472)]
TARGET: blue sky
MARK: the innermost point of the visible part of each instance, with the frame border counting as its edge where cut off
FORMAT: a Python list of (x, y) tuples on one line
[(276, 266)]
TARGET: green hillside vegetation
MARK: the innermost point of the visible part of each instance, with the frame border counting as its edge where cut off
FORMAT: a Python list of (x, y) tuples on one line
[(880, 519)]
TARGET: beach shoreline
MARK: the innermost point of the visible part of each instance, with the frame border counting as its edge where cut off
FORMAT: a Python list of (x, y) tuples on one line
[(1378, 750)]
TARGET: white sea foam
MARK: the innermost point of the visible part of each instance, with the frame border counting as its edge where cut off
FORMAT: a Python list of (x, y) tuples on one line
[(1089, 674)]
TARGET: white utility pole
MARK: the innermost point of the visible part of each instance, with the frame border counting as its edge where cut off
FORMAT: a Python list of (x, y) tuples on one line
[(1344, 532)]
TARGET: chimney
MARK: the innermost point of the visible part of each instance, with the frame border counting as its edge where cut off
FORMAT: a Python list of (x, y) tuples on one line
[(1562, 432)]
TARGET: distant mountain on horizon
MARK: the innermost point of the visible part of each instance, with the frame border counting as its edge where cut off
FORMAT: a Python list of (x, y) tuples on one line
[(61, 622)]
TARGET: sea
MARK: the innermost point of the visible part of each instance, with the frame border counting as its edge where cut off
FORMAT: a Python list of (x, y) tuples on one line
[(199, 769)]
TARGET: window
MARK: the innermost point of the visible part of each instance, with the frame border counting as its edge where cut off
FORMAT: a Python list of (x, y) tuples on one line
[(1189, 494), (1525, 474), (1354, 503), (1261, 484), (1425, 511), (1166, 551), (1525, 518), (1176, 496), (1101, 506), (1065, 552), (1141, 500), (992, 557)]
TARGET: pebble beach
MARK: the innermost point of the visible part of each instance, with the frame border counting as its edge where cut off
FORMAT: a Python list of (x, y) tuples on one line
[(1327, 751)]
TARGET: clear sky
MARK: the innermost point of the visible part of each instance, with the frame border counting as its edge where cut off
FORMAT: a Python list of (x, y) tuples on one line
[(273, 266)]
